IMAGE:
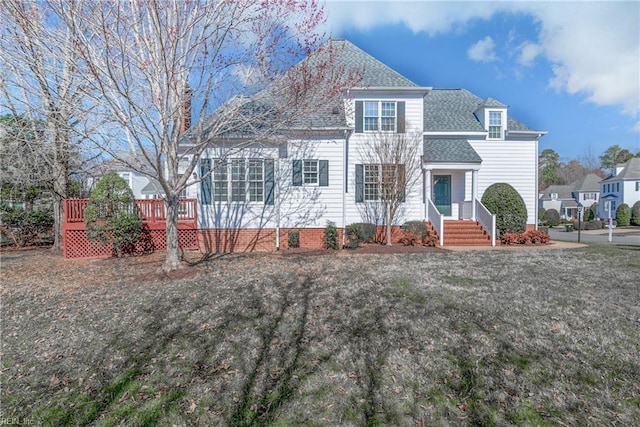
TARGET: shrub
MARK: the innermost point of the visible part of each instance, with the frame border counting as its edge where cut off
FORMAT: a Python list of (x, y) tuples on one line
[(623, 215), (293, 239), (541, 213), (544, 229), (502, 200), (552, 217), (529, 237), (635, 213), (111, 216), (594, 225), (330, 236), (25, 228), (589, 213), (416, 232), (361, 232)]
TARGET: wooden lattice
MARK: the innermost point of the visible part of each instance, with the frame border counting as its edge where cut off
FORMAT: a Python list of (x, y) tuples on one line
[(76, 244)]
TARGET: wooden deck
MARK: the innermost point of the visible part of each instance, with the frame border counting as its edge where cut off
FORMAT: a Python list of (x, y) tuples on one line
[(152, 212)]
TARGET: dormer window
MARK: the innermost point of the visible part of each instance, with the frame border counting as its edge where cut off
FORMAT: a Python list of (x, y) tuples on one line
[(554, 196), (495, 125)]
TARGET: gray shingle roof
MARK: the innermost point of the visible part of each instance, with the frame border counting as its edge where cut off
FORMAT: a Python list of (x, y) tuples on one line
[(374, 72), (591, 182), (453, 110), (450, 150), (490, 102), (563, 192), (631, 170)]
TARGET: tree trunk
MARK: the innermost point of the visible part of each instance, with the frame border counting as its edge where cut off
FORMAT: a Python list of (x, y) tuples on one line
[(172, 256), (388, 219), (58, 218)]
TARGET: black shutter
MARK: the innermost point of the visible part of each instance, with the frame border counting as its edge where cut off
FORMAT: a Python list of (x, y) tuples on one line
[(205, 183), (297, 173), (359, 184), (401, 117), (359, 117), (323, 169), (269, 182)]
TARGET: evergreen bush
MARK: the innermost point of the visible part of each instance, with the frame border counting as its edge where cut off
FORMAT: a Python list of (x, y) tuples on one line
[(504, 201), (635, 213), (361, 232), (293, 239), (26, 228), (552, 217), (330, 236), (111, 216), (623, 215), (541, 213)]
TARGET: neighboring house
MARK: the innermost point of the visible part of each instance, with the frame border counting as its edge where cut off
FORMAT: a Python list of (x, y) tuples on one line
[(565, 198), (142, 185), (586, 191), (251, 200), (561, 198), (621, 186)]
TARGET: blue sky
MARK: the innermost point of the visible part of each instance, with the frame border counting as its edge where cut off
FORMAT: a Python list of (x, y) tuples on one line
[(569, 68)]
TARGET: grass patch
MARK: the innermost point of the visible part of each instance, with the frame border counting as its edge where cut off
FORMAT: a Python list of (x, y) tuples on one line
[(270, 340)]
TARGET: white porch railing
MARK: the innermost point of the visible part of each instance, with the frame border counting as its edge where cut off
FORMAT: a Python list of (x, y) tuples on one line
[(437, 219), (487, 220)]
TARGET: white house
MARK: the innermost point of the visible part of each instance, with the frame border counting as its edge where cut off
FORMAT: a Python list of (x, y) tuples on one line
[(621, 186), (252, 198)]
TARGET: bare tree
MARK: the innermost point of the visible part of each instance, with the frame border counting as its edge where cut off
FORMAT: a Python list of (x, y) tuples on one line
[(391, 163), (156, 66), (41, 83)]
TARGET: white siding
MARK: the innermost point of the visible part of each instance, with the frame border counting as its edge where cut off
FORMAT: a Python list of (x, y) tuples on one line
[(512, 162), (630, 195), (413, 208), (311, 205)]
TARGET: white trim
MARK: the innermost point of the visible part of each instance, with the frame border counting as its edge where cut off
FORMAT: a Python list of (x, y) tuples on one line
[(444, 134), (452, 166)]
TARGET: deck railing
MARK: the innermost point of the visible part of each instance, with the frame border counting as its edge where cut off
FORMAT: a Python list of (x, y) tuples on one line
[(437, 219), (486, 219), (151, 211)]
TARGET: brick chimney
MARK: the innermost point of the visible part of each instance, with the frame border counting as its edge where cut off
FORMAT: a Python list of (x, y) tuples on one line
[(185, 111)]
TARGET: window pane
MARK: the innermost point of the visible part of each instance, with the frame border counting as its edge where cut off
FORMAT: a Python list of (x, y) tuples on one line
[(238, 184), (371, 116), (495, 132), (220, 180), (389, 124), (371, 182), (371, 109), (310, 171), (388, 109), (495, 118), (371, 123), (256, 180)]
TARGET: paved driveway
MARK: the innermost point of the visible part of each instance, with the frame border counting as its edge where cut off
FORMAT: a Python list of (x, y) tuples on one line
[(624, 236)]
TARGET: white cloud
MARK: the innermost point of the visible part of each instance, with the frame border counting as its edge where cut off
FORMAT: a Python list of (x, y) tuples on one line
[(483, 51), (592, 47), (528, 53)]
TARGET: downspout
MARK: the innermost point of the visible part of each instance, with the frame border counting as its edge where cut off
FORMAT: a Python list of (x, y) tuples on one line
[(537, 199), (345, 184)]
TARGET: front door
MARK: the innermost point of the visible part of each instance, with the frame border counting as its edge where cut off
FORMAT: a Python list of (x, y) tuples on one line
[(442, 193)]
